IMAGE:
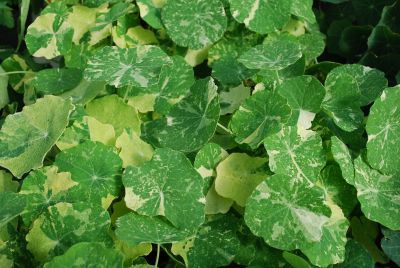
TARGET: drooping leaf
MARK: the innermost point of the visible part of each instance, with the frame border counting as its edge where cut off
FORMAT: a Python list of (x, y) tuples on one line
[(356, 256), (27, 136)]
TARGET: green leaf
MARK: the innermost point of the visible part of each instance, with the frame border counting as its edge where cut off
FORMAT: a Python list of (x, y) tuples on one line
[(297, 213), (349, 87), (137, 229), (24, 9), (195, 24), (383, 132), (218, 234), (275, 55), (304, 95), (232, 99), (112, 110), (260, 115), (376, 191), (391, 244), (303, 9), (169, 186), (7, 184), (87, 255), (96, 170), (6, 16), (230, 72), (342, 156), (190, 123), (63, 225), (238, 175), (356, 256), (27, 136), (12, 205), (56, 81), (295, 261), (150, 11), (297, 153), (261, 16), (43, 188), (138, 66), (4, 99)]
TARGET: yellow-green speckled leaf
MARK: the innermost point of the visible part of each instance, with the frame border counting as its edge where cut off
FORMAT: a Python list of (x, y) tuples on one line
[(27, 136)]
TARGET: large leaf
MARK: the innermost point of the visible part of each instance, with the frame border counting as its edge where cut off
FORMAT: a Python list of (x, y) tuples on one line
[(27, 136)]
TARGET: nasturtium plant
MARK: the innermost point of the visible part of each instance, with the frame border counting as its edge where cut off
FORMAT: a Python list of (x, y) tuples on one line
[(199, 133)]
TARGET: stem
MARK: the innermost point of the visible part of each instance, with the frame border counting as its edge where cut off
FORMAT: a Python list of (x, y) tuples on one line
[(16, 72), (158, 255), (224, 128), (173, 257)]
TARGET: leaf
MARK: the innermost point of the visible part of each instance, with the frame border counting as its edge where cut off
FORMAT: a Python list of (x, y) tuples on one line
[(275, 55), (137, 229), (96, 170), (391, 244), (168, 186), (56, 81), (297, 153), (383, 131), (24, 9), (112, 110), (229, 71), (12, 205), (218, 234), (356, 256), (87, 255), (198, 24), (349, 87), (150, 11), (303, 9), (304, 95), (190, 123), (238, 175), (376, 191), (138, 66), (297, 213), (260, 115), (43, 188), (295, 261), (27, 136), (7, 184), (261, 16), (4, 99), (63, 225), (133, 151), (342, 156), (232, 99)]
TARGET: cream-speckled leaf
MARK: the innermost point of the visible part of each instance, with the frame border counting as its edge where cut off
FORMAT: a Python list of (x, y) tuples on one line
[(274, 55), (150, 11), (63, 225), (376, 191), (238, 175), (342, 156), (260, 115), (44, 187), (12, 205), (47, 37), (303, 9), (114, 111), (169, 186), (261, 16), (27, 136), (190, 123), (86, 254), (297, 153), (383, 128), (133, 151), (138, 66), (194, 23), (136, 229), (175, 82), (296, 213), (95, 168), (216, 239), (304, 95)]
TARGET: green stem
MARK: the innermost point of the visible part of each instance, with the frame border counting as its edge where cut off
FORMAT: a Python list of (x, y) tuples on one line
[(224, 128), (16, 72), (158, 255), (173, 257)]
